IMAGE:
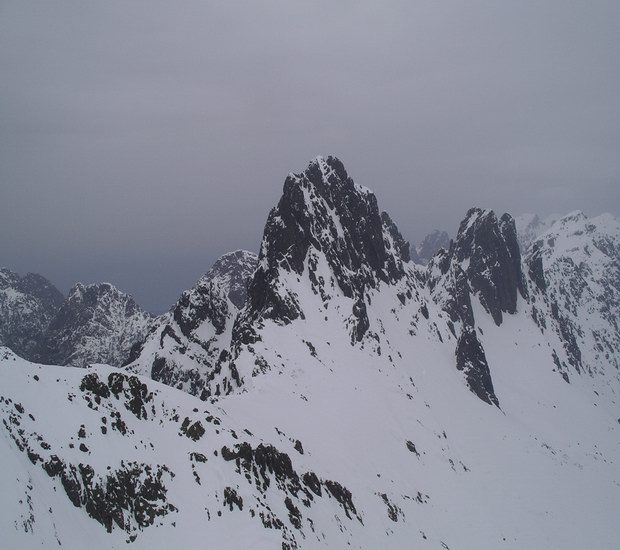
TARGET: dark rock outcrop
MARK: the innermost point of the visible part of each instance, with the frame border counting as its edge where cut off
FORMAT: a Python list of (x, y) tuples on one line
[(208, 300), (488, 251), (472, 361), (324, 210)]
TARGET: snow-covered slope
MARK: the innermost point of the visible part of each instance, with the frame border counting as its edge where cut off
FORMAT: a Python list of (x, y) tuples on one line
[(96, 324), (187, 347), (124, 459), (27, 305), (430, 397), (575, 268)]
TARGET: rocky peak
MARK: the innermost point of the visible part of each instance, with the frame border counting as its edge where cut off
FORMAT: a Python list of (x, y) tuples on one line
[(217, 294), (488, 251), (189, 346), (324, 211), (97, 323)]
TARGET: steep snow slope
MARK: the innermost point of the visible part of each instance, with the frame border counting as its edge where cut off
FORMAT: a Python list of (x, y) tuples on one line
[(27, 305), (96, 324), (188, 346)]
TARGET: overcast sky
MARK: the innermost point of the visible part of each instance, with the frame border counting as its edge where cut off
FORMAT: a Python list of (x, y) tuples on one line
[(139, 140)]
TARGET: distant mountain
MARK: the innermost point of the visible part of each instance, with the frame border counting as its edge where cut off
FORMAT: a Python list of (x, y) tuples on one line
[(530, 226), (27, 305), (423, 252), (337, 394), (96, 323)]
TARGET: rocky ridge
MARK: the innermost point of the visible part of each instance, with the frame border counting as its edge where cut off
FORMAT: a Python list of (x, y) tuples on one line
[(189, 347), (96, 323)]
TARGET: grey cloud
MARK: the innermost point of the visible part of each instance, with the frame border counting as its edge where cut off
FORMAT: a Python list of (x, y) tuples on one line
[(140, 140)]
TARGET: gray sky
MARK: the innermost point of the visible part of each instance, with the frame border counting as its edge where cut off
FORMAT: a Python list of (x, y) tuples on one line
[(139, 140)]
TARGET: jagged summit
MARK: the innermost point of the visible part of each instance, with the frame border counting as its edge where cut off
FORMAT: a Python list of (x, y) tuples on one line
[(97, 323), (188, 348), (323, 212), (488, 251), (211, 298)]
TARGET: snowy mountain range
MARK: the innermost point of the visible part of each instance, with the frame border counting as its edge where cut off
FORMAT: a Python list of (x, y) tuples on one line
[(331, 392), (95, 323)]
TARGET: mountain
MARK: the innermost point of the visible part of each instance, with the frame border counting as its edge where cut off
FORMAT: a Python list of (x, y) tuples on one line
[(423, 252), (530, 226), (27, 305), (187, 347), (96, 323), (356, 399), (575, 268)]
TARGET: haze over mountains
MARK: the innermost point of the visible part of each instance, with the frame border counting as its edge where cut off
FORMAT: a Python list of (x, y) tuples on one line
[(328, 391)]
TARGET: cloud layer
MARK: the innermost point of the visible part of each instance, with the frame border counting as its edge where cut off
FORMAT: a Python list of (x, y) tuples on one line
[(140, 140)]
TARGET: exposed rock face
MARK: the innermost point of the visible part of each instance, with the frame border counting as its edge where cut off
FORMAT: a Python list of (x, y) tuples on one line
[(96, 324), (27, 305), (323, 210), (483, 261), (188, 348), (323, 215), (432, 243), (470, 359), (225, 283), (488, 250)]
